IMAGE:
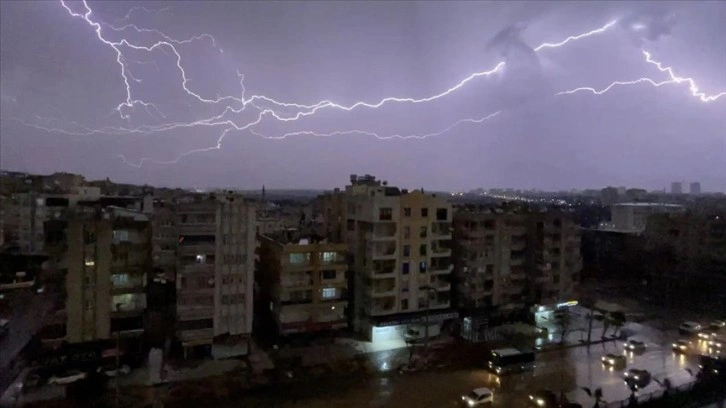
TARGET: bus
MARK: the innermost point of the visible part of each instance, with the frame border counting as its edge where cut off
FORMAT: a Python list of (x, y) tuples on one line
[(511, 360)]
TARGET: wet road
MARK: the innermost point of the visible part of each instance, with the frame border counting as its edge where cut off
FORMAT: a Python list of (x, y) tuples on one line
[(563, 370)]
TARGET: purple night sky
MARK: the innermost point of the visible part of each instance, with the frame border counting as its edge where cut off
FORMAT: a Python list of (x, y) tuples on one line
[(61, 86)]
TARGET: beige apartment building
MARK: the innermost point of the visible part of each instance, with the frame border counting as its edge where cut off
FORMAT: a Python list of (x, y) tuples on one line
[(215, 268), (509, 260), (302, 280), (400, 243), (107, 259)]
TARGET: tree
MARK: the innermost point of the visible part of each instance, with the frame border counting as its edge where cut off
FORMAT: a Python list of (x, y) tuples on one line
[(562, 320), (617, 319)]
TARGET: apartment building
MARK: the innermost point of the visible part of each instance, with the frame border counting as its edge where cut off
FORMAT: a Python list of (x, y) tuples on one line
[(108, 257), (164, 239), (509, 260), (302, 281), (215, 268), (633, 217), (400, 243)]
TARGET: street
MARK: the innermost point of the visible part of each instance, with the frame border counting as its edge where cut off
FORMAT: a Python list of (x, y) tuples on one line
[(565, 370), (25, 312)]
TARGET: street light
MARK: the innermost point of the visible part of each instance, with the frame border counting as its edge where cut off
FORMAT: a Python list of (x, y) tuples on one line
[(429, 289)]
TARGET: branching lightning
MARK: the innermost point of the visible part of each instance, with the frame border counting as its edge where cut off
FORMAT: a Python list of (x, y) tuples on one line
[(265, 106)]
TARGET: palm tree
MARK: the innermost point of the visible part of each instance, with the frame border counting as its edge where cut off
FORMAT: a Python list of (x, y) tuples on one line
[(597, 395)]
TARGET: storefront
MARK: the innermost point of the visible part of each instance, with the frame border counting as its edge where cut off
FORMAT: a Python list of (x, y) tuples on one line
[(409, 327)]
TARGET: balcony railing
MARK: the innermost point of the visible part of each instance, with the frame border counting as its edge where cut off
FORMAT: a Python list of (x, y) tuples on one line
[(441, 269)]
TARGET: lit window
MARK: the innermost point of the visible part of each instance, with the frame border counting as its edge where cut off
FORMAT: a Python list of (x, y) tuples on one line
[(329, 256), (121, 279), (90, 262), (120, 235), (201, 258), (328, 293), (299, 258)]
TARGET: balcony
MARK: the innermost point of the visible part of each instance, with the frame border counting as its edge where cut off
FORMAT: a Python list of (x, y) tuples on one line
[(384, 232), (542, 278), (439, 251), (382, 310), (201, 248), (290, 283), (383, 288), (441, 269), (441, 285), (384, 252), (516, 261), (382, 273), (201, 228), (441, 230)]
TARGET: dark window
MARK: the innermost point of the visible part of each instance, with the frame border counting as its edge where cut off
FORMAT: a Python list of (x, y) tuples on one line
[(406, 232), (424, 212), (404, 268), (404, 304), (407, 212), (406, 250), (196, 324), (422, 250), (350, 225), (329, 274), (488, 285), (423, 232), (442, 214), (422, 266), (385, 214)]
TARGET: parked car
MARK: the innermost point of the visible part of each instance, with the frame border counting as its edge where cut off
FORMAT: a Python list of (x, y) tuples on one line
[(613, 360), (689, 328), (67, 378), (717, 324), (479, 397), (635, 345), (682, 346), (543, 399), (637, 378), (716, 345), (707, 334)]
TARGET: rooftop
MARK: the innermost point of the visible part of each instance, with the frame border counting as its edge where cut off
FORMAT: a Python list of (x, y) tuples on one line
[(648, 205)]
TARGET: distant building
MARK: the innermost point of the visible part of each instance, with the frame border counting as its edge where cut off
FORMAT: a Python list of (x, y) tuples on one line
[(676, 187), (633, 217), (302, 281), (609, 196), (695, 188)]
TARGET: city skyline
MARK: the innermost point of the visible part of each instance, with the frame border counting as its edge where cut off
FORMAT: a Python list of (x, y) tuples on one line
[(481, 80)]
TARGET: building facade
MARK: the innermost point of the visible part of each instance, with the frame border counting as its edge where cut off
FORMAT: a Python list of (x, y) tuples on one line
[(302, 279), (633, 217), (513, 260), (400, 246), (215, 267)]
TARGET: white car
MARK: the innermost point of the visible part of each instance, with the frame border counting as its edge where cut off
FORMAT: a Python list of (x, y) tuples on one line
[(112, 372), (67, 378), (479, 397), (635, 345), (690, 328)]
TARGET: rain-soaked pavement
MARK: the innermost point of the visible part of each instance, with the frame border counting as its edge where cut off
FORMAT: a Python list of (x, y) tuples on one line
[(565, 370)]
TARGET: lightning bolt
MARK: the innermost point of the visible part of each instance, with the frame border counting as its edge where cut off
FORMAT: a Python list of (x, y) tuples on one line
[(674, 79), (144, 9), (265, 106)]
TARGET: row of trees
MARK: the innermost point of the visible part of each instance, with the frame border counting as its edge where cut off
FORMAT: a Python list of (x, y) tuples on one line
[(615, 319)]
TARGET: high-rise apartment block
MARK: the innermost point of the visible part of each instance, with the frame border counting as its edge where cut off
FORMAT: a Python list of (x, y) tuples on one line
[(508, 260), (695, 188), (107, 259), (676, 187), (215, 268), (400, 243), (302, 281)]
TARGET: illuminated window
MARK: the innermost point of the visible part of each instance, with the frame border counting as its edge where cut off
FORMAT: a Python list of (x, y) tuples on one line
[(329, 256), (90, 262), (299, 258), (120, 235), (328, 293), (121, 279)]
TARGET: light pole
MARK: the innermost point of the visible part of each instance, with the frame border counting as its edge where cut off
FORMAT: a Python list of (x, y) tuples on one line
[(428, 290)]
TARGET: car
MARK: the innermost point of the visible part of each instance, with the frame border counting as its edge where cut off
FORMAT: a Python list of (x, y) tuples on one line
[(717, 324), (67, 378), (637, 378), (478, 397), (682, 346), (635, 345), (716, 345), (613, 360), (543, 399), (707, 334), (111, 371), (689, 328)]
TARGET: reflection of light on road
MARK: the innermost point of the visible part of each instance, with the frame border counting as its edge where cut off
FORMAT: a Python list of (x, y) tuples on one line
[(681, 358), (385, 366)]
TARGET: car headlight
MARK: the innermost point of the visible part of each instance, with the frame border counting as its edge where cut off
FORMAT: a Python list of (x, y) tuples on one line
[(540, 402), (675, 345), (471, 403)]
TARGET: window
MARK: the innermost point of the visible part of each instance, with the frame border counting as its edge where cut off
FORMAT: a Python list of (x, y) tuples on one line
[(328, 293), (407, 212), (424, 212), (442, 214), (423, 232), (404, 304), (422, 267), (406, 250), (406, 232), (90, 262), (299, 258), (121, 279), (422, 250), (350, 225), (329, 256), (200, 259), (385, 214), (328, 274), (120, 235), (404, 268)]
